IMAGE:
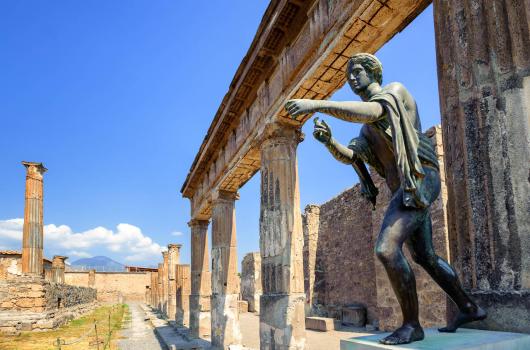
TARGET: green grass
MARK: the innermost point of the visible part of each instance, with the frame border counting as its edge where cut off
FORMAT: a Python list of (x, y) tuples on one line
[(74, 330)]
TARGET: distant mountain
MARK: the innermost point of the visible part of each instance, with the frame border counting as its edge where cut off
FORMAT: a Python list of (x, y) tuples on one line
[(99, 263)]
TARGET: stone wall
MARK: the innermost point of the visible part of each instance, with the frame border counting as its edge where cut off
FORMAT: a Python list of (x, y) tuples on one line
[(113, 286), (30, 303), (11, 265), (340, 267)]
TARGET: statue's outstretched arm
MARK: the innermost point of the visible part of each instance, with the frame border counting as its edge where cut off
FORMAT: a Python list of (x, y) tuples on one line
[(351, 111)]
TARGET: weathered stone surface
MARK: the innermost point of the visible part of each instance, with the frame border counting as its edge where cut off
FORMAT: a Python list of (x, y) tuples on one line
[(281, 242), (58, 267), (242, 306), (225, 282), (353, 316), (33, 234), (183, 285), (484, 83), (200, 321), (251, 280), (322, 324), (173, 260)]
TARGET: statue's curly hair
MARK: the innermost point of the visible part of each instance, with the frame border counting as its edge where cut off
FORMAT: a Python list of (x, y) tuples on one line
[(370, 63)]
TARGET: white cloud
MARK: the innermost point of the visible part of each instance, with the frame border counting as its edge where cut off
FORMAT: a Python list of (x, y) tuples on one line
[(176, 233), (128, 240), (79, 254)]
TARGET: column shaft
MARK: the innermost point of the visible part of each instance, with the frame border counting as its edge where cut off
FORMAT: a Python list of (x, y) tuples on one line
[(165, 284), (484, 84), (282, 322), (58, 267), (225, 284), (173, 260), (200, 322), (159, 294), (32, 237), (183, 284)]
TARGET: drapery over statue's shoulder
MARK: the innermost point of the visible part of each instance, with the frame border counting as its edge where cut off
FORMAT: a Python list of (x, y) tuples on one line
[(402, 129)]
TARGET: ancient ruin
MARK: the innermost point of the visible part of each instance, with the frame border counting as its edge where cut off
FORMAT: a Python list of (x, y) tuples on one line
[(300, 51)]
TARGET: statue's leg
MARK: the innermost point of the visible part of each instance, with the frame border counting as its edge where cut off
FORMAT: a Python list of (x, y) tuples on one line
[(398, 225), (422, 251)]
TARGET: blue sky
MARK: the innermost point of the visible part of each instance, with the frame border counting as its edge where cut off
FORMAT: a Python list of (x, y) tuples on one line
[(115, 100)]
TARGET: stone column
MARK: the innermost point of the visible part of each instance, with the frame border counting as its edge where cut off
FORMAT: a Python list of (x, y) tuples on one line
[(225, 284), (165, 283), (183, 283), (484, 84), (311, 223), (282, 318), (173, 260), (159, 294), (154, 290), (251, 280), (32, 237), (58, 267), (92, 278), (201, 289)]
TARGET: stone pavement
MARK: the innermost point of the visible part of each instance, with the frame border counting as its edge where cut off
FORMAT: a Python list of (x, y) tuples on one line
[(138, 333)]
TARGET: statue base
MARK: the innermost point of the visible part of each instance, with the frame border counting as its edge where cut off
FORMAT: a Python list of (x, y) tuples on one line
[(463, 339)]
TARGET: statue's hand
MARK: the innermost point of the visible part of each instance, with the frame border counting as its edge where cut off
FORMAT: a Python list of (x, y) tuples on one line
[(298, 107), (322, 131)]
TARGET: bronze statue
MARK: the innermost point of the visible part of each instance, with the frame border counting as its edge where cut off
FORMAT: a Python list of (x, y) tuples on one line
[(392, 143)]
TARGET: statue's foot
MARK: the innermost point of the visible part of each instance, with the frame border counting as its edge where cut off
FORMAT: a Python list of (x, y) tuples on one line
[(463, 318), (404, 335)]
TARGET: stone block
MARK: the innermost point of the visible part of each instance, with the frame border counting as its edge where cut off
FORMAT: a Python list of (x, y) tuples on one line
[(242, 306), (323, 324), (463, 339), (353, 316)]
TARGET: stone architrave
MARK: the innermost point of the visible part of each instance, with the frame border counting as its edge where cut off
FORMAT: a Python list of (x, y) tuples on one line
[(33, 230), (251, 280), (173, 260), (58, 268), (483, 61), (160, 294), (225, 282), (92, 278), (201, 290), (183, 284), (282, 317)]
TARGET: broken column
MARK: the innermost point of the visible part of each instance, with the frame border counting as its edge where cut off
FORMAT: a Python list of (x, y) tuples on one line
[(251, 280), (200, 323), (58, 268), (484, 84), (311, 222), (173, 260), (225, 284), (92, 278), (183, 284), (282, 323), (33, 231)]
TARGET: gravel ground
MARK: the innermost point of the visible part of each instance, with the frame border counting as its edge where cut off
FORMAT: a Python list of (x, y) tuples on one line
[(137, 332)]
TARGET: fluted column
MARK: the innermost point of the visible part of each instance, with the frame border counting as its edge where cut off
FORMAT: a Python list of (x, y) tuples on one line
[(165, 279), (483, 61), (33, 234), (173, 259), (201, 289), (58, 268), (183, 283), (225, 285), (282, 322)]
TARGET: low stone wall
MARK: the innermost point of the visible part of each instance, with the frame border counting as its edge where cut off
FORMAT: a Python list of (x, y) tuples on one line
[(30, 303), (112, 286)]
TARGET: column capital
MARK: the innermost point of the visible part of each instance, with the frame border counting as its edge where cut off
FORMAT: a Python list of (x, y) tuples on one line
[(197, 223), (34, 168), (173, 246), (279, 131), (222, 195), (58, 260)]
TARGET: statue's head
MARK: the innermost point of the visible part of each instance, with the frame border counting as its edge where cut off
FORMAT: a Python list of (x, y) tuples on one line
[(363, 70)]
